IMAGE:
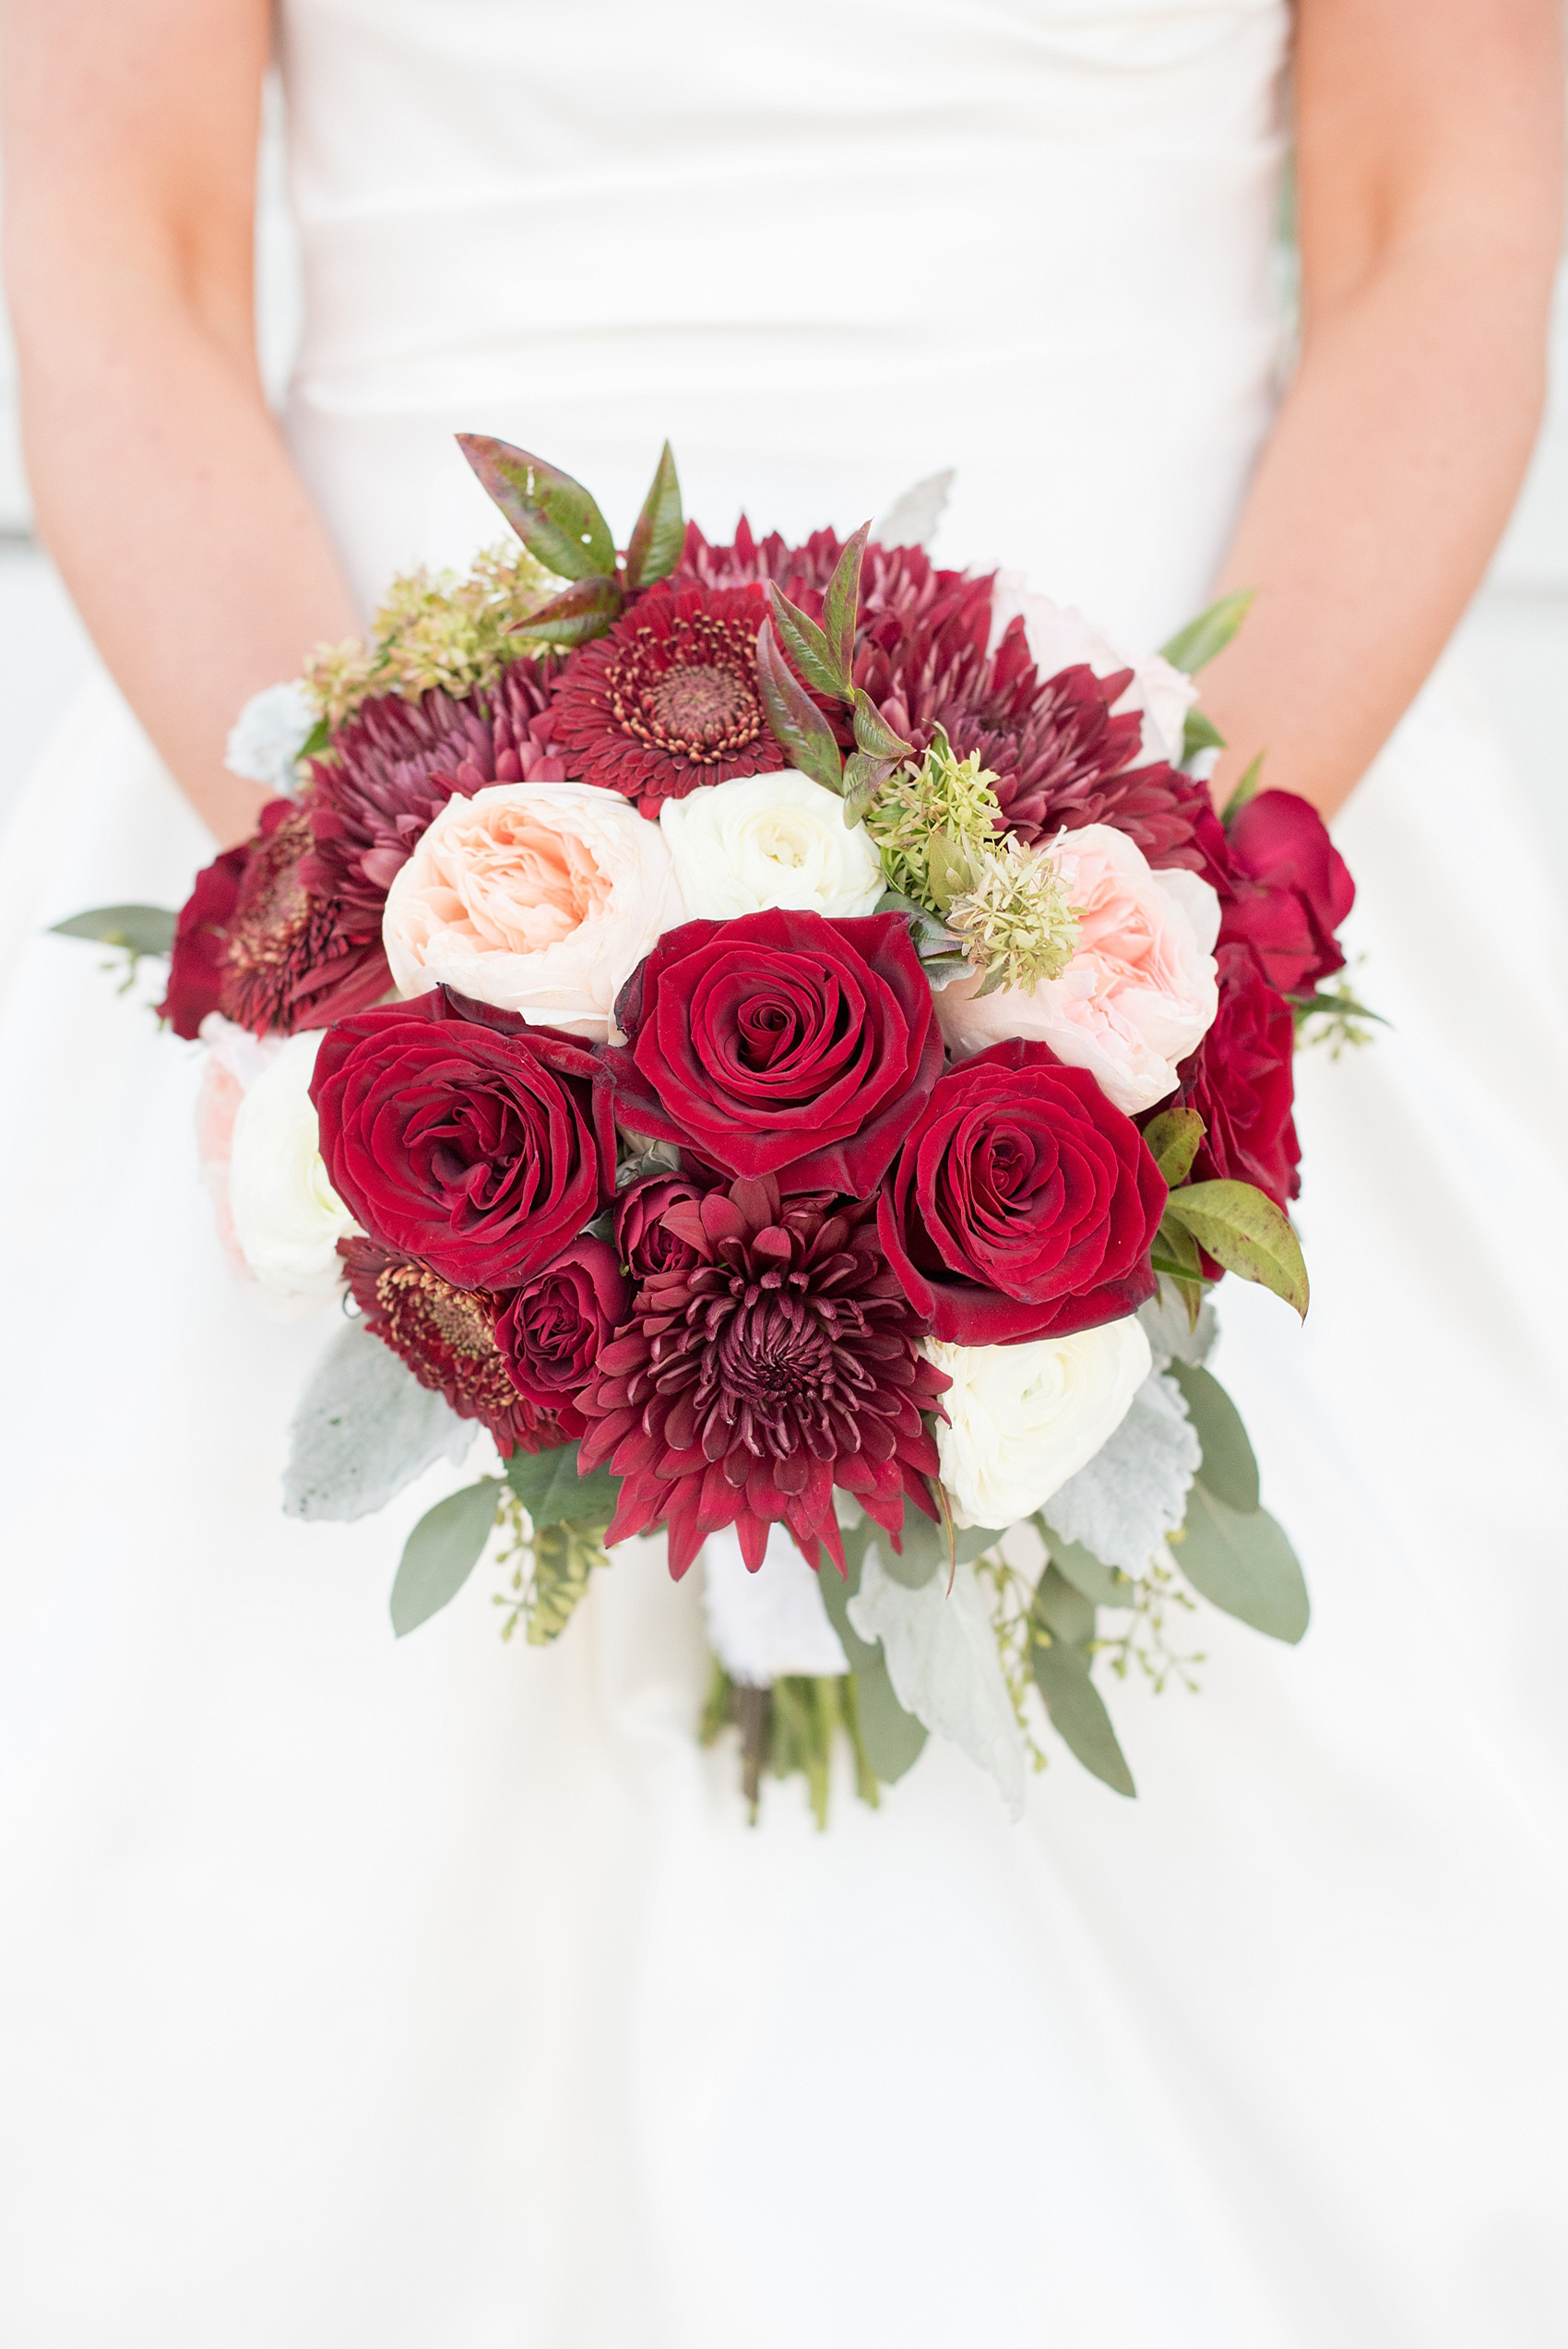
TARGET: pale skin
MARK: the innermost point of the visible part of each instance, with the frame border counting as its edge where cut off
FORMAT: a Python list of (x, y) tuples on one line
[(1430, 167)]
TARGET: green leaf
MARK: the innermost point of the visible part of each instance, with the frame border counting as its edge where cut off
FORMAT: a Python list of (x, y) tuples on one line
[(840, 608), (1175, 1255), (1173, 1138), (1191, 648), (1240, 1227), (1243, 1564), (554, 515), (1248, 788), (1198, 733), (863, 778), (588, 608), (552, 1489), (804, 733), (316, 741), (441, 1553), (806, 646), (1063, 1608), (660, 532), (1229, 1467), (140, 929), (1107, 1586), (874, 734), (1077, 1713)]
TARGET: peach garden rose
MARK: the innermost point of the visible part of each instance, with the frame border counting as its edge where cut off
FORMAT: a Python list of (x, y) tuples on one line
[(540, 898)]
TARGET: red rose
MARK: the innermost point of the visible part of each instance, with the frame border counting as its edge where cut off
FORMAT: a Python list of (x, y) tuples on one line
[(1241, 1081), (201, 934), (643, 1240), (459, 1135), (1291, 890), (780, 1044), (555, 1327), (1024, 1204)]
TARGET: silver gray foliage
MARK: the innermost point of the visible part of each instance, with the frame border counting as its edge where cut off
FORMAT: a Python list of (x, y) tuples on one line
[(1135, 1490), (940, 1647), (363, 1429), (911, 520), (1165, 1326)]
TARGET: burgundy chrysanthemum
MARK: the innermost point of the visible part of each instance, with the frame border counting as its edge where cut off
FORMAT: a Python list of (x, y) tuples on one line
[(669, 700), (446, 1336), (783, 1361), (286, 961), (396, 764)]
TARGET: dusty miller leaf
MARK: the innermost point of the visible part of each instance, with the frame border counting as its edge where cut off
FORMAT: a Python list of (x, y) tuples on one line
[(942, 1660), (364, 1428), (1124, 1503), (1171, 1334), (911, 520)]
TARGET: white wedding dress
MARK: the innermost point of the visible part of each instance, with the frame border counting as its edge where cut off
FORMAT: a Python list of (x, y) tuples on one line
[(436, 1994)]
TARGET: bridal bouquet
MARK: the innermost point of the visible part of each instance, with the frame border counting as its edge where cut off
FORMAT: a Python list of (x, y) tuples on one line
[(778, 1037)]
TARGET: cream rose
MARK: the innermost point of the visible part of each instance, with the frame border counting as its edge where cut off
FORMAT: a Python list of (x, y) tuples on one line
[(538, 898), (1060, 637), (288, 1219), (767, 841), (1021, 1420), (1139, 993)]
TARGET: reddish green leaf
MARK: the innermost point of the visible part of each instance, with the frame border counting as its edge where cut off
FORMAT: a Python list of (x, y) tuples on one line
[(863, 778), (840, 608), (802, 730), (554, 515), (806, 646), (659, 530), (874, 734), (588, 608)]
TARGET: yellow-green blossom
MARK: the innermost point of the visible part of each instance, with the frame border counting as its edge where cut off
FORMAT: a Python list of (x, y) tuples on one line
[(433, 628)]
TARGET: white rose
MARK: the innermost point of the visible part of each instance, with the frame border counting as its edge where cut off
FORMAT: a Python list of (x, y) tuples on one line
[(1060, 637), (288, 1219), (540, 898), (1140, 992), (763, 840), (1021, 1420)]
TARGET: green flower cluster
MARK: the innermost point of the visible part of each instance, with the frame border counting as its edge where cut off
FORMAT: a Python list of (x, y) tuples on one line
[(433, 628)]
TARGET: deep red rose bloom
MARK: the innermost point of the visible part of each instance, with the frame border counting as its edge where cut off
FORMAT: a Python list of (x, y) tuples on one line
[(642, 1240), (1022, 1205), (1241, 1082), (779, 1043), (446, 1336), (255, 944), (783, 1361), (456, 1134), (559, 1321), (669, 700), (201, 933), (1291, 890), (397, 763)]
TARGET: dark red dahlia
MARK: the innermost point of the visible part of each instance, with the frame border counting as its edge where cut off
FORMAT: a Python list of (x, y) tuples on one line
[(750, 560), (669, 698), (446, 1336), (783, 1361), (278, 953), (1241, 1082), (397, 763)]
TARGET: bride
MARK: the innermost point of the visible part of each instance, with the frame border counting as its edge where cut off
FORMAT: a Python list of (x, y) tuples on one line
[(434, 1994)]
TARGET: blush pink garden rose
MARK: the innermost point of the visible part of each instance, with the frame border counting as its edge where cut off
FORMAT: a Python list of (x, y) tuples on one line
[(1139, 993), (540, 898)]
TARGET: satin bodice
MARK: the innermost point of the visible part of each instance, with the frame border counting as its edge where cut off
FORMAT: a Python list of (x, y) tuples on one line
[(827, 249)]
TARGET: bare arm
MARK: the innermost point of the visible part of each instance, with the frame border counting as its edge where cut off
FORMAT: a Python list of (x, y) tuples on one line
[(162, 487), (1429, 169)]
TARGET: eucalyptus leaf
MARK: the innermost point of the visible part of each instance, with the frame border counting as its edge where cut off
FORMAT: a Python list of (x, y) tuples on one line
[(139, 929), (802, 729), (554, 1490), (1077, 1713), (1227, 1467), (660, 532), (1242, 1228), (911, 520), (840, 609), (1107, 1586), (1066, 1614), (554, 515), (1199, 733), (806, 646), (588, 608), (441, 1553), (1243, 1564), (1191, 648), (364, 1428), (1172, 1139)]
